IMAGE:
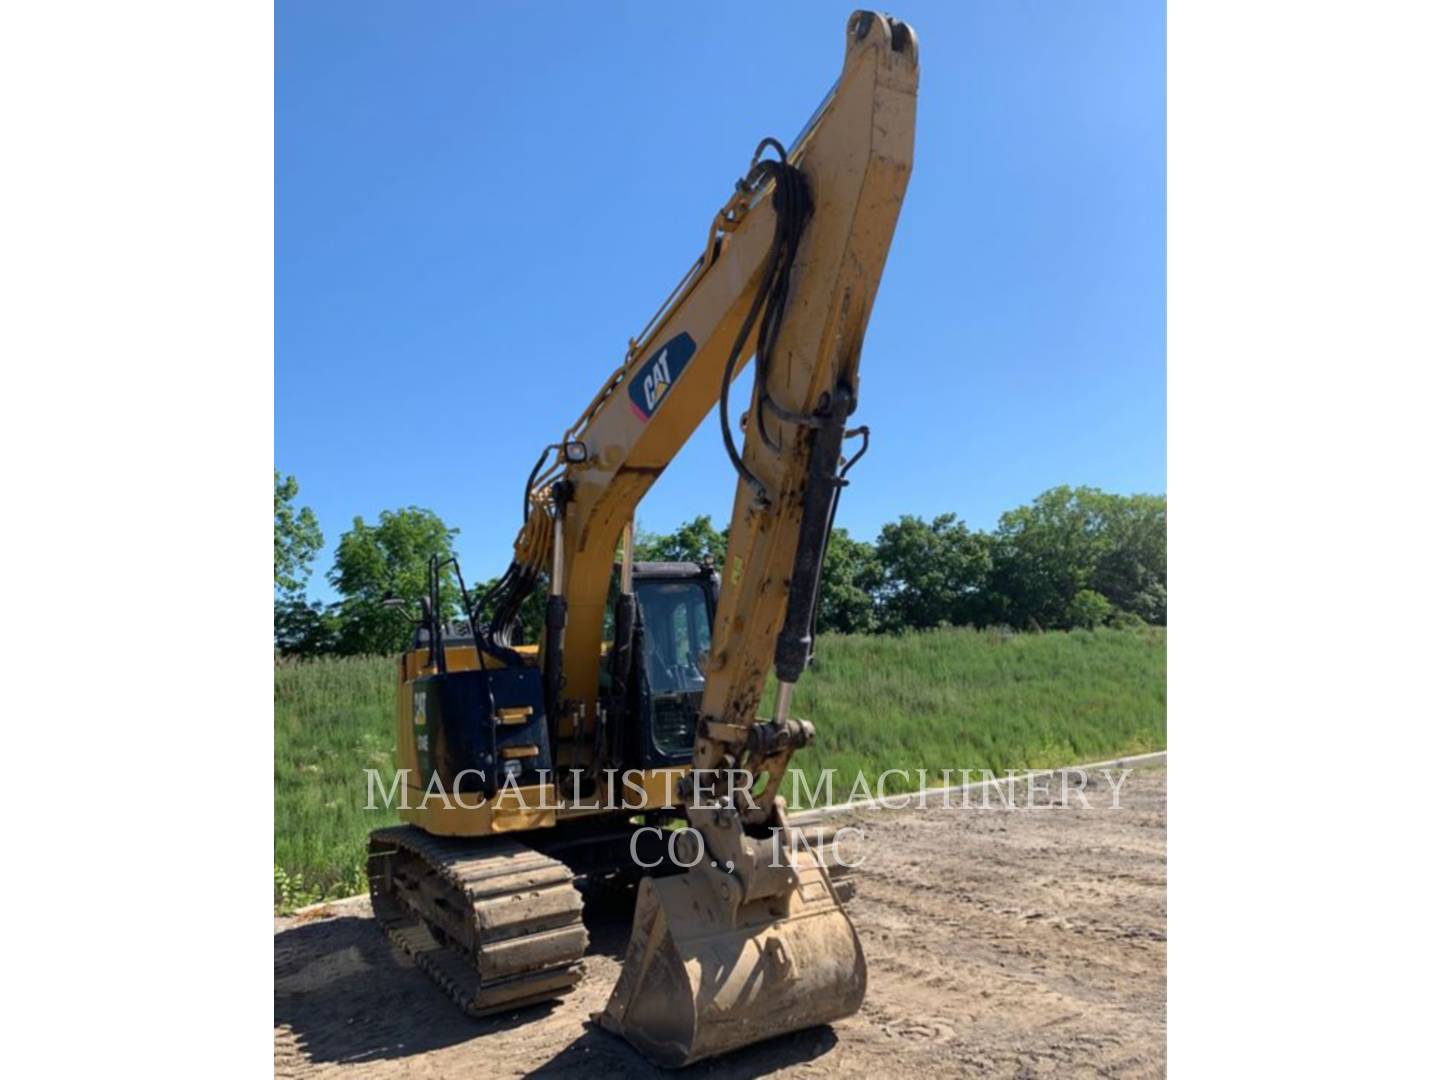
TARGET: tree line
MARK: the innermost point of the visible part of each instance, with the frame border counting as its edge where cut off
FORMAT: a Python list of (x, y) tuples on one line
[(1072, 558)]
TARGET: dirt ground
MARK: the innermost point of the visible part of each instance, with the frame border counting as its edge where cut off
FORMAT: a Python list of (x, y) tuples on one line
[(1009, 943)]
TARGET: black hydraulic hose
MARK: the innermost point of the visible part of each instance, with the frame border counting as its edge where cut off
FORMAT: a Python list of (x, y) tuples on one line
[(514, 587), (725, 379), (530, 481), (508, 595), (791, 203)]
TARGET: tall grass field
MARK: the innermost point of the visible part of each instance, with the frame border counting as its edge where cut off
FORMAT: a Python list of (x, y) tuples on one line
[(942, 699)]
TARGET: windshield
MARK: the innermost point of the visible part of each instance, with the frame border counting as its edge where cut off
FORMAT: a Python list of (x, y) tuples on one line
[(677, 648)]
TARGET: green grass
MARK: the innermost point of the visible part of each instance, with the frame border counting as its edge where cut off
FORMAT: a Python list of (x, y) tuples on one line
[(977, 699), (334, 718), (945, 699)]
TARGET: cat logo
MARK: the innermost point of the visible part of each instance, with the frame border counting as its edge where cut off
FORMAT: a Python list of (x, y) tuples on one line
[(656, 375), (658, 381)]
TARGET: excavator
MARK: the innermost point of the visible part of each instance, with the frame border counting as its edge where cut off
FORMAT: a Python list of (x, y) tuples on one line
[(626, 744)]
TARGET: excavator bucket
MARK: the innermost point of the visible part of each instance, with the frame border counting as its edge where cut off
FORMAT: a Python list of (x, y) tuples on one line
[(704, 975)]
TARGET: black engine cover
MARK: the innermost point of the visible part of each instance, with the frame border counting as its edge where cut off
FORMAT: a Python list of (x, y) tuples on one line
[(457, 734)]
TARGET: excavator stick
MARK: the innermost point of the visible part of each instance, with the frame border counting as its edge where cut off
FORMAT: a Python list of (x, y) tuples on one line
[(752, 941), (696, 984)]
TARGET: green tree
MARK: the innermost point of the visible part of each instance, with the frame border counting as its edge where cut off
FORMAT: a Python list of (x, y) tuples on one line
[(1087, 610), (305, 627), (389, 559), (1045, 554), (693, 541), (1070, 540), (849, 579), (931, 573), (1130, 573), (297, 537)]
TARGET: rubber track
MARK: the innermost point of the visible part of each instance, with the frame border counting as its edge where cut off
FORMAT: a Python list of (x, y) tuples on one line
[(495, 923)]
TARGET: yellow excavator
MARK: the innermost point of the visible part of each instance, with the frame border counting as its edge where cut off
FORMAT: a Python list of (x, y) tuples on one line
[(626, 746)]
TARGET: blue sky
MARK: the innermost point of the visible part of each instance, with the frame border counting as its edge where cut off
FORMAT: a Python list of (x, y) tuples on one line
[(478, 204)]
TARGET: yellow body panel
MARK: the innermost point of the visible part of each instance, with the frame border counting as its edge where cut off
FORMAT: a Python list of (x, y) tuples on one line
[(511, 810)]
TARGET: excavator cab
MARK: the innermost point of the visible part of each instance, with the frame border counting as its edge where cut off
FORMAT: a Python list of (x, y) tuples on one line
[(676, 602)]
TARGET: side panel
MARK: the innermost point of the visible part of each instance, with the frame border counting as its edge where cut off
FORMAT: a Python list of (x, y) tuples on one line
[(513, 809)]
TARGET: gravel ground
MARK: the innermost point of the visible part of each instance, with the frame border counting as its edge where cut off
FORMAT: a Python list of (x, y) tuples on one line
[(1009, 943)]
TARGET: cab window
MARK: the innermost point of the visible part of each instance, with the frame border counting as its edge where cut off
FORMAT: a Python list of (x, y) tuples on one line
[(677, 648)]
